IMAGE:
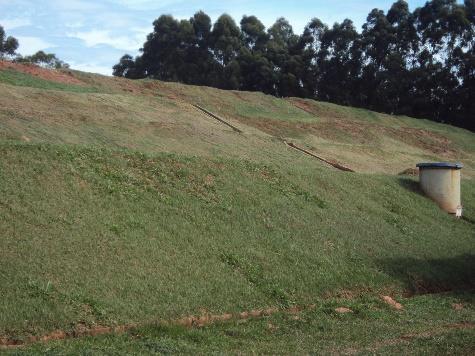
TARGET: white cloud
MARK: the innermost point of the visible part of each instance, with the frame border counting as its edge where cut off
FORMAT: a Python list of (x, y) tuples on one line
[(140, 33), (79, 5), (147, 4), (91, 68), (74, 24), (102, 37), (30, 45), (12, 23)]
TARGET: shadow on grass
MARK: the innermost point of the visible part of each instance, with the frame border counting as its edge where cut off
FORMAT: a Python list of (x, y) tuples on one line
[(411, 185), (456, 275), (469, 220), (414, 187)]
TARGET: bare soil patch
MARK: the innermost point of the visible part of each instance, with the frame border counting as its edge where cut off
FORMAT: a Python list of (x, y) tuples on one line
[(427, 140), (278, 128), (343, 310), (65, 77), (390, 301), (320, 111), (339, 123), (82, 330), (410, 172)]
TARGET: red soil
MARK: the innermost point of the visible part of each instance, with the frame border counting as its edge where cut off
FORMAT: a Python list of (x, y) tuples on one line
[(390, 301), (204, 319), (53, 75)]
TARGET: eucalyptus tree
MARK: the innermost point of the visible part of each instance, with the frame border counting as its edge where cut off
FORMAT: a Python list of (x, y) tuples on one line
[(256, 70), (8, 45), (419, 63), (340, 64), (226, 43)]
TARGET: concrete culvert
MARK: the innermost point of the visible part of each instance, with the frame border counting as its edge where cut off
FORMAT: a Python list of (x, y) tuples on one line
[(441, 183)]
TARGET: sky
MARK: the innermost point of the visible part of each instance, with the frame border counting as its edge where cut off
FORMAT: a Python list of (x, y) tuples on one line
[(92, 35)]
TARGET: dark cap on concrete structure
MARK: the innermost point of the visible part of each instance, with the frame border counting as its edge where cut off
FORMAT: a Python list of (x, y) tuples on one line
[(440, 165)]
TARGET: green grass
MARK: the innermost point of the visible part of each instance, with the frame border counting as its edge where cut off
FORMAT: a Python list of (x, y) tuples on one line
[(106, 237), (26, 80), (428, 325), (131, 207)]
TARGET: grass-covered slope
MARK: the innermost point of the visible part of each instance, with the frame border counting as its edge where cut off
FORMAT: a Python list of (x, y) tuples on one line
[(153, 116), (431, 327), (124, 205), (108, 237)]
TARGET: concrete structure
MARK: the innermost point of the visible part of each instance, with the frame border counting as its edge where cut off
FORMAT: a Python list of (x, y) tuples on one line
[(441, 183)]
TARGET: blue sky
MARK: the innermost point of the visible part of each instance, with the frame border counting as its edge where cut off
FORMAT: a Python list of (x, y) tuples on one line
[(92, 35)]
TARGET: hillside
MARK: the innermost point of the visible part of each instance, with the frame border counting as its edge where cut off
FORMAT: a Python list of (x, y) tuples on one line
[(123, 206)]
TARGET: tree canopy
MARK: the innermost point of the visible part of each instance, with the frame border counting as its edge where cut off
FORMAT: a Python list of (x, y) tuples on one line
[(43, 59), (419, 63), (8, 45)]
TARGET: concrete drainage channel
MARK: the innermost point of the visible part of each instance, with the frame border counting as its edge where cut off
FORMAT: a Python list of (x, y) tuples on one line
[(333, 164), (209, 113), (290, 144)]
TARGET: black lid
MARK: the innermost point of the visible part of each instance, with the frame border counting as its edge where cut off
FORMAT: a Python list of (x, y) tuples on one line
[(441, 165)]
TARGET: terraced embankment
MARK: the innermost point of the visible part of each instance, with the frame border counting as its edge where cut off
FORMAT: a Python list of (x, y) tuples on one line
[(123, 205)]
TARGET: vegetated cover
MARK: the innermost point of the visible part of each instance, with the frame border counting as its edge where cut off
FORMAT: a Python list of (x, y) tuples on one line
[(418, 63), (131, 222)]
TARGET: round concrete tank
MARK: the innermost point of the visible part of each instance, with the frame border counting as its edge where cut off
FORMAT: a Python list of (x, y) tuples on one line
[(441, 183)]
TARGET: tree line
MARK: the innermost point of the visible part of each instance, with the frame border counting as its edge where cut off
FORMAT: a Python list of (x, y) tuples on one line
[(419, 63), (9, 46)]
